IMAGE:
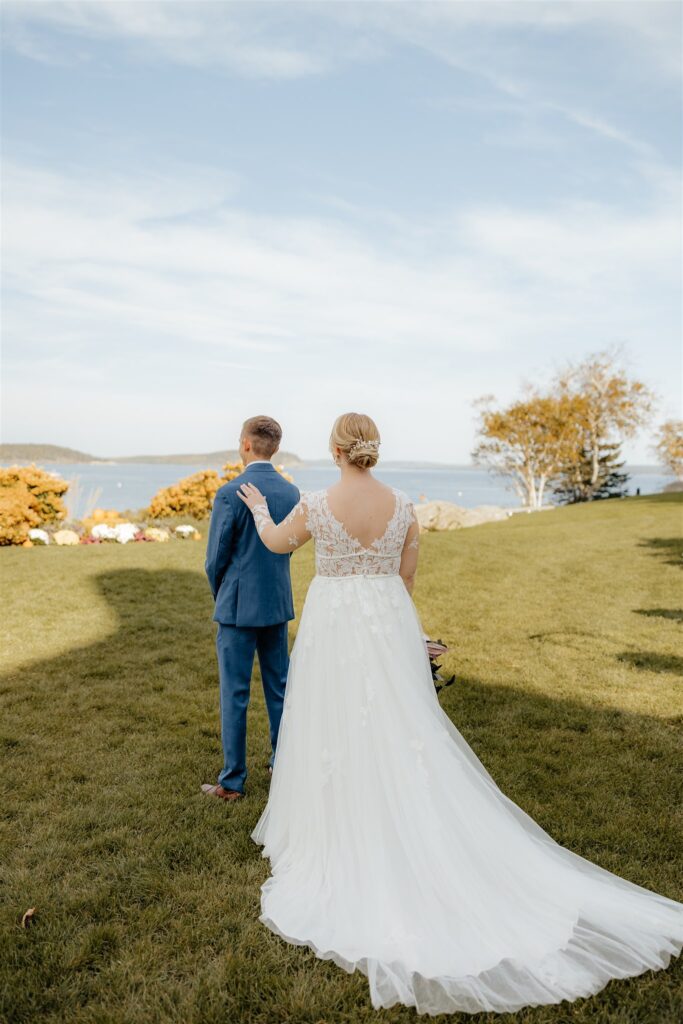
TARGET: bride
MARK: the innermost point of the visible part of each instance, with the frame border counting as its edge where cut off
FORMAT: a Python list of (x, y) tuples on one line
[(392, 849)]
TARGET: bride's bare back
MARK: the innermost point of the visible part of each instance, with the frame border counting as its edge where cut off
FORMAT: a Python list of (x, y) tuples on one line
[(364, 508)]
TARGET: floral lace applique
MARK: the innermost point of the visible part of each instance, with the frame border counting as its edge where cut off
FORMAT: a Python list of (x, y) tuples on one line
[(298, 510), (261, 516), (418, 747), (339, 554)]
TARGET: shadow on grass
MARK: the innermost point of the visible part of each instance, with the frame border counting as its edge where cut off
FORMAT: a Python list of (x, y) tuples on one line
[(668, 549), (674, 614), (653, 662), (581, 640), (573, 639), (94, 714), (150, 683), (163, 618), (104, 747)]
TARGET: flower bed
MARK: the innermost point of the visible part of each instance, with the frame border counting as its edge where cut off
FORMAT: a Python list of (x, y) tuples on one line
[(106, 527)]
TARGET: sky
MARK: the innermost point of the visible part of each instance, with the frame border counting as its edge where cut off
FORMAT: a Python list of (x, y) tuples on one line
[(216, 210)]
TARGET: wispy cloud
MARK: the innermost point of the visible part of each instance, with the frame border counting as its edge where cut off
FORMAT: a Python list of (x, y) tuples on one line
[(313, 300), (293, 39), (329, 259), (128, 247), (246, 41)]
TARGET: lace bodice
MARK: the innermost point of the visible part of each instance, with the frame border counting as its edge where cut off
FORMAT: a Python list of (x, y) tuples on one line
[(337, 553)]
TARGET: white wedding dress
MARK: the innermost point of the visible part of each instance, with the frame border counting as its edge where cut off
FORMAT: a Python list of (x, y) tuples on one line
[(392, 849)]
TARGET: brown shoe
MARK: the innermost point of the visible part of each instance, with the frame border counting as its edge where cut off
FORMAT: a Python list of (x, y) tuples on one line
[(224, 794)]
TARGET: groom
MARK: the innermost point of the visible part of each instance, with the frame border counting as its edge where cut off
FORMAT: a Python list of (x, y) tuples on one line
[(253, 595)]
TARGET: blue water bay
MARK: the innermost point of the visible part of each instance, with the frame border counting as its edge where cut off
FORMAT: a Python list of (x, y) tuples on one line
[(131, 485)]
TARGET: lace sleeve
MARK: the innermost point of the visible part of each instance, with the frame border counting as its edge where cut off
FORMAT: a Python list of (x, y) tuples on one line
[(287, 535), (261, 517)]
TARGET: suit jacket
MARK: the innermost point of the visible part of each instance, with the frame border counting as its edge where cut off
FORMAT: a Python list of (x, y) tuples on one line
[(250, 584)]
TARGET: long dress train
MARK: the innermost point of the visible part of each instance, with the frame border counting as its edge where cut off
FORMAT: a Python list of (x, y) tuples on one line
[(392, 849)]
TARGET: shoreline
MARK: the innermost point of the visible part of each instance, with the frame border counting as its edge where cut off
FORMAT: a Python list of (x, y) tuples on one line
[(395, 464)]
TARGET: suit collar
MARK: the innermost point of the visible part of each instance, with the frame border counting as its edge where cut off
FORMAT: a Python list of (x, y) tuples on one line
[(259, 467)]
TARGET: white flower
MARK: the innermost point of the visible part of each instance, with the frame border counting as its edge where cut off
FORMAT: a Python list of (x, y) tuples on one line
[(42, 536), (123, 532), (103, 532), (154, 533), (185, 530), (66, 537)]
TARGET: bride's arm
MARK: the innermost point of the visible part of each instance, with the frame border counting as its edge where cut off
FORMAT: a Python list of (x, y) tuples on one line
[(287, 535), (409, 555), (408, 566)]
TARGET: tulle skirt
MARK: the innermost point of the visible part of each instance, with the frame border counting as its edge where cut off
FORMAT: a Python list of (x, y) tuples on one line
[(393, 851)]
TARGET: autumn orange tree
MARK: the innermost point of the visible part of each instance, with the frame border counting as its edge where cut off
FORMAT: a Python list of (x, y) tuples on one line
[(529, 441), (607, 407), (669, 447), (568, 438)]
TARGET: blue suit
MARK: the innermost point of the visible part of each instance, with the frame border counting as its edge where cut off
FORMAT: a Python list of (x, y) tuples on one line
[(253, 604)]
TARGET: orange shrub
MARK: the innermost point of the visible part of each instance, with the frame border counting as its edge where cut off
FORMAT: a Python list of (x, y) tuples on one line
[(109, 516), (194, 495), (17, 516), (231, 470), (28, 497)]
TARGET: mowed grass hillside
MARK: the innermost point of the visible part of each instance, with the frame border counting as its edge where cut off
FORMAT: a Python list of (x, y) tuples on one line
[(565, 631)]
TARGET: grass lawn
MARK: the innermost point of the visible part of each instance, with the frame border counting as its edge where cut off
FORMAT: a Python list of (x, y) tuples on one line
[(565, 629)]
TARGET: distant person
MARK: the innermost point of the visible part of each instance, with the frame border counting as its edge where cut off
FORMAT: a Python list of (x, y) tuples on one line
[(253, 594), (392, 849)]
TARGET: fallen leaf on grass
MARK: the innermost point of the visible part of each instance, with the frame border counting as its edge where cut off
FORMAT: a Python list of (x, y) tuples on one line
[(27, 919)]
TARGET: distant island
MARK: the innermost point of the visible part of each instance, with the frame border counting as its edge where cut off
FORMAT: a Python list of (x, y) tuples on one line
[(39, 453), (56, 453)]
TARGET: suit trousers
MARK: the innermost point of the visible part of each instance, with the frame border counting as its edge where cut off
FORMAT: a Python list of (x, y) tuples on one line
[(235, 647)]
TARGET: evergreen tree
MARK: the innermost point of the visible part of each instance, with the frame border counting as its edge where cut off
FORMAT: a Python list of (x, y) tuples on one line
[(579, 481)]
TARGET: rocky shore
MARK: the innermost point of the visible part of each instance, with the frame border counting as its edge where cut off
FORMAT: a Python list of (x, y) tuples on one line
[(444, 515)]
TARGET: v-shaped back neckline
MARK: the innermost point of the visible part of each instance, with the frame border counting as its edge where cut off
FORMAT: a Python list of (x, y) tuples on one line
[(354, 540)]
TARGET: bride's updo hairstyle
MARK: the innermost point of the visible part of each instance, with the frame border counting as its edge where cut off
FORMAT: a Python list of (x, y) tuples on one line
[(358, 437)]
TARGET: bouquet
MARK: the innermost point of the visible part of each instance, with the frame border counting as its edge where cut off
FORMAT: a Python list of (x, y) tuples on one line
[(435, 649)]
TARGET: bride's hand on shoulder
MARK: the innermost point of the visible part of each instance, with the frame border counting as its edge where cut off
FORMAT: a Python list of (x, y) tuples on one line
[(251, 495)]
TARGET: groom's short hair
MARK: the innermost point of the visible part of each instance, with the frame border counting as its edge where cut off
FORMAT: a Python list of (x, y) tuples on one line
[(265, 434)]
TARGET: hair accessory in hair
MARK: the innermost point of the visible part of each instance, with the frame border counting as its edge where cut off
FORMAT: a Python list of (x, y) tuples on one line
[(360, 443)]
